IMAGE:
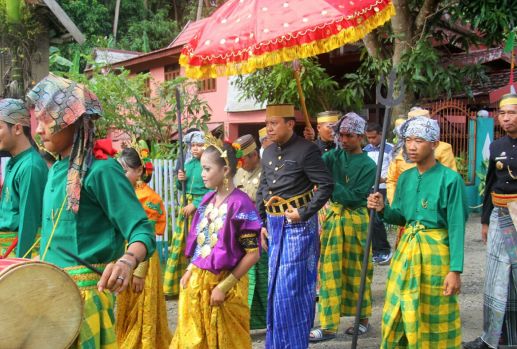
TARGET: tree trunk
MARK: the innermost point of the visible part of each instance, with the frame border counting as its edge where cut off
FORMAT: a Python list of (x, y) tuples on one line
[(199, 10), (13, 16)]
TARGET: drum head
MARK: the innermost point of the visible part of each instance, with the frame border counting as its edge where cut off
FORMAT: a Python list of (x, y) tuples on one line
[(41, 307)]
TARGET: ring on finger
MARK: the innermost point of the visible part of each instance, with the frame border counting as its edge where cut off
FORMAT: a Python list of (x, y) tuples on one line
[(121, 278)]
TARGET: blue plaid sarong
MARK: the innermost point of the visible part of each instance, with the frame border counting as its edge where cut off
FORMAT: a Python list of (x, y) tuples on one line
[(293, 265)]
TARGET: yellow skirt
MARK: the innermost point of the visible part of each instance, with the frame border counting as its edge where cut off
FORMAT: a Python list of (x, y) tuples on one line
[(201, 326), (142, 317)]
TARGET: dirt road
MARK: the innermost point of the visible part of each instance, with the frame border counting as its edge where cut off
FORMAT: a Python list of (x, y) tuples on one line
[(471, 299)]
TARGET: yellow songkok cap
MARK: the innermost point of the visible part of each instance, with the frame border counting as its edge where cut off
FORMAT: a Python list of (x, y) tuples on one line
[(328, 116), (262, 132), (247, 144), (280, 110), (417, 111), (399, 121), (508, 99)]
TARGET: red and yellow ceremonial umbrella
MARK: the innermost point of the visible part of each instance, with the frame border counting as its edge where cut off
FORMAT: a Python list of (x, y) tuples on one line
[(245, 35)]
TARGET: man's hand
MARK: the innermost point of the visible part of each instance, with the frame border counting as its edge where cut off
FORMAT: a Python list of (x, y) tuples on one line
[(309, 134), (452, 284), (375, 201), (484, 232), (264, 239), (189, 210), (181, 175), (292, 215)]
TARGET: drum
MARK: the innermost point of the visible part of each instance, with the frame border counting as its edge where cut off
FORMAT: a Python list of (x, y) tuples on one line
[(40, 306)]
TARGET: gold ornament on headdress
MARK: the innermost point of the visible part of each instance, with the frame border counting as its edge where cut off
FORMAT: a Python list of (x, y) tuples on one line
[(210, 140)]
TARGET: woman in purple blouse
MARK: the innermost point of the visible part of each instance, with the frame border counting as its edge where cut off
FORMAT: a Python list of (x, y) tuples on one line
[(223, 245)]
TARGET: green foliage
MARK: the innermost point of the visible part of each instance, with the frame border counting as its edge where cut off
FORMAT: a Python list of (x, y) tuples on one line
[(277, 85), (482, 178), (158, 30), (91, 16), (492, 18)]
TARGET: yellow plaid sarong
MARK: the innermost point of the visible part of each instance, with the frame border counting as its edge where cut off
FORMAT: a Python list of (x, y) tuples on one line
[(98, 325), (6, 240), (342, 250), (416, 314)]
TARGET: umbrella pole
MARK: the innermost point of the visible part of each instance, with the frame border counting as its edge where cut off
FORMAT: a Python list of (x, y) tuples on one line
[(302, 99), (181, 159), (388, 102)]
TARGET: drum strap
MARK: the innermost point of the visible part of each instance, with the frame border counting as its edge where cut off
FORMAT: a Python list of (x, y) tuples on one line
[(51, 234)]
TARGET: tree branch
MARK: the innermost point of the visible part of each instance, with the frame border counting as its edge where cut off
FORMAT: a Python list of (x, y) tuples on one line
[(429, 7)]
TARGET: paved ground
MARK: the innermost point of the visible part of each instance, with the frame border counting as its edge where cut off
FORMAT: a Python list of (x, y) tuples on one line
[(471, 298)]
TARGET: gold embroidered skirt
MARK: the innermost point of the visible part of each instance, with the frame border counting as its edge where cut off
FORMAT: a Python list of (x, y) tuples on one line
[(201, 326)]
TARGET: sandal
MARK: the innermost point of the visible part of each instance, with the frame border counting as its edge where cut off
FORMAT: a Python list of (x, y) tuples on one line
[(319, 335), (362, 330)]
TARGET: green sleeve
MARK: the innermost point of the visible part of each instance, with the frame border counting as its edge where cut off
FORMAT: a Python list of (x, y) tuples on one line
[(392, 214), (117, 198), (197, 201), (31, 185), (457, 214), (355, 195)]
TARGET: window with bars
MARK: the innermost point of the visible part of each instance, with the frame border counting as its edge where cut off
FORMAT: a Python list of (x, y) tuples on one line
[(172, 71), (207, 85)]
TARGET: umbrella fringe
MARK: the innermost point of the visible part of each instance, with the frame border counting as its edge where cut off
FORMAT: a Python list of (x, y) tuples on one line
[(301, 49)]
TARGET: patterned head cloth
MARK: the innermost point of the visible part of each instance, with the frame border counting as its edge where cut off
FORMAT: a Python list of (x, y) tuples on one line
[(59, 103), (14, 111), (399, 140), (195, 137), (421, 127), (351, 123)]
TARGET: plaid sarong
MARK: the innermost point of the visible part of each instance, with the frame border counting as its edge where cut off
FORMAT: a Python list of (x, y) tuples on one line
[(342, 251), (6, 240), (293, 262), (257, 293), (500, 299), (98, 325), (177, 262), (416, 314)]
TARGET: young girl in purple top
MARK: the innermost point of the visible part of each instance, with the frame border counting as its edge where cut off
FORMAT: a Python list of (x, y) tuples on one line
[(223, 245)]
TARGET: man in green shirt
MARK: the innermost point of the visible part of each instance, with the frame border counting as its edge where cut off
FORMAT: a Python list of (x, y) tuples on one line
[(89, 207), (421, 308), (344, 232), (25, 178)]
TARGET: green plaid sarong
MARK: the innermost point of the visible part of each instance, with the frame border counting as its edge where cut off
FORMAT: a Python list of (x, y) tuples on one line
[(177, 262), (416, 314), (98, 326), (257, 293), (342, 250)]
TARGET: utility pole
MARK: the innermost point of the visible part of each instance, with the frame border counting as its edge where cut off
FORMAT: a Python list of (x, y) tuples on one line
[(115, 20), (199, 10)]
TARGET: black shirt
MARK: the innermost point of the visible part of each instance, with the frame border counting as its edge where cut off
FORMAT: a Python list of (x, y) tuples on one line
[(291, 169), (325, 146), (502, 165)]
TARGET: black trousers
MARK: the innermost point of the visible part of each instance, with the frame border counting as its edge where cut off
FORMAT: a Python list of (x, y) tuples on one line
[(380, 242)]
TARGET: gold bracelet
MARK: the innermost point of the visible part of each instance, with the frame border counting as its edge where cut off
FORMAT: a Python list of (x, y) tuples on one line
[(141, 270), (228, 283)]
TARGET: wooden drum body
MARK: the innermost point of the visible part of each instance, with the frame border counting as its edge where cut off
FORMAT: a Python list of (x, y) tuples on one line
[(40, 306)]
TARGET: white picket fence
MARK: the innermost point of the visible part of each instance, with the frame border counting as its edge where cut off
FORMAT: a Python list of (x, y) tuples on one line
[(162, 183)]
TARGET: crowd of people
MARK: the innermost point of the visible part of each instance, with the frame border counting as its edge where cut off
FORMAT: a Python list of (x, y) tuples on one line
[(267, 232)]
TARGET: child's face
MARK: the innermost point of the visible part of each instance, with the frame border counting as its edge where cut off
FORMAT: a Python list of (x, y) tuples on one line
[(197, 150), (212, 173)]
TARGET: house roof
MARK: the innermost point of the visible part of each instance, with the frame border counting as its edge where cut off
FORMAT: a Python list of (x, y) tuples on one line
[(112, 56), (66, 27), (481, 56)]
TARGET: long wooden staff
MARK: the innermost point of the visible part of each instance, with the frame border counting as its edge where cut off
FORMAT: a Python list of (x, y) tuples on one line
[(389, 102), (181, 159), (296, 70)]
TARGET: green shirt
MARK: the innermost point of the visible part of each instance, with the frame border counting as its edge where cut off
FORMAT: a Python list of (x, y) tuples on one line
[(22, 196), (194, 185), (437, 200), (353, 174), (109, 214)]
